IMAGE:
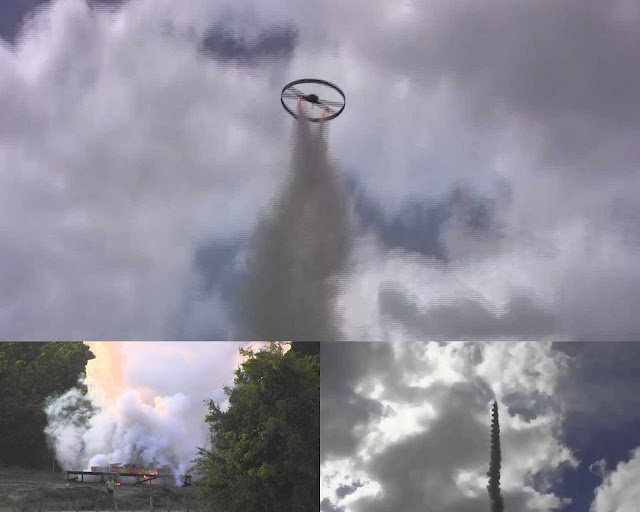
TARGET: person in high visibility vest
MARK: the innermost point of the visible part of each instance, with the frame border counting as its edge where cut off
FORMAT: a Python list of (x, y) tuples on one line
[(110, 486)]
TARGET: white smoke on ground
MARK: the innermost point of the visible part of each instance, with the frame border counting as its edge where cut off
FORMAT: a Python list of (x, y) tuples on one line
[(146, 422), (299, 250), (128, 431)]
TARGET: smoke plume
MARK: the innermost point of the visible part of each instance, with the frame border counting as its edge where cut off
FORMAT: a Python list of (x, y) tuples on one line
[(141, 403), (497, 504), (299, 250)]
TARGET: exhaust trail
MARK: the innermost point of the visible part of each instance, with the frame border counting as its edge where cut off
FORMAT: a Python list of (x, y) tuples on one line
[(299, 250)]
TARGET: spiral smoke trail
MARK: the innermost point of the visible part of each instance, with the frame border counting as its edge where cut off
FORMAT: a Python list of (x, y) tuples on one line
[(299, 250), (495, 497)]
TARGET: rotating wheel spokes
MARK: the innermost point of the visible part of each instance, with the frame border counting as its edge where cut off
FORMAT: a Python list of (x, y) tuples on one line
[(314, 92)]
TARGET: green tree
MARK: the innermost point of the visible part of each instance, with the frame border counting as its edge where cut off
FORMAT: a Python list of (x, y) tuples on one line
[(265, 448), (497, 505), (29, 373), (307, 348)]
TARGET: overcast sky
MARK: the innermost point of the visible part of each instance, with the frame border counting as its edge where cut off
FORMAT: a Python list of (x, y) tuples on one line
[(488, 155), (406, 426)]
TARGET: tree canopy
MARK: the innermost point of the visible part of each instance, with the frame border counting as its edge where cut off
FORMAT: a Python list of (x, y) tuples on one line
[(265, 448), (29, 373)]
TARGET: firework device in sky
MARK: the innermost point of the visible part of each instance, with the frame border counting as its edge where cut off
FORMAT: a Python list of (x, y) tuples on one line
[(306, 94)]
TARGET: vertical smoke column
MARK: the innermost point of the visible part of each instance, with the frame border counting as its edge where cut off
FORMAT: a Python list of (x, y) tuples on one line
[(495, 497), (299, 251)]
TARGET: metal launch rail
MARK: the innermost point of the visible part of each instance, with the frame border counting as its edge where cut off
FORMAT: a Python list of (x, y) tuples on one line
[(79, 476)]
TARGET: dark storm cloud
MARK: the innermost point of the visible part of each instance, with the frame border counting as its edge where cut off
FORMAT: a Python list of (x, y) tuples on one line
[(276, 42), (467, 317)]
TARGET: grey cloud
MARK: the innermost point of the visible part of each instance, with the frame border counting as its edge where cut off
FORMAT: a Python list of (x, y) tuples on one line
[(327, 506), (418, 471), (467, 318), (214, 263), (601, 304), (341, 408), (419, 225), (539, 58), (527, 407), (14, 12), (345, 490), (276, 42), (599, 468)]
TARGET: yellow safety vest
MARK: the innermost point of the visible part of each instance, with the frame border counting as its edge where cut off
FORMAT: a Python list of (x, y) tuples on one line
[(110, 484)]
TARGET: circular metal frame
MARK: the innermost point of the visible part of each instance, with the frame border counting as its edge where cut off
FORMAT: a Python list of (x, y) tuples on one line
[(289, 91)]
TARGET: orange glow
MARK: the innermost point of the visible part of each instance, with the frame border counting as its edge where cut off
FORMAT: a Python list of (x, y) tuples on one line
[(105, 371)]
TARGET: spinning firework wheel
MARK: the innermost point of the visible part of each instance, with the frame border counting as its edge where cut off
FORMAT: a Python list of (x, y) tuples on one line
[(317, 100)]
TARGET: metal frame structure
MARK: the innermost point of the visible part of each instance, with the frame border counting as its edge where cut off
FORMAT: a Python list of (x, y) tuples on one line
[(330, 109)]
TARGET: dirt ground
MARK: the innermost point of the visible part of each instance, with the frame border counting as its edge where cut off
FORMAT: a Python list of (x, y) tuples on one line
[(23, 490)]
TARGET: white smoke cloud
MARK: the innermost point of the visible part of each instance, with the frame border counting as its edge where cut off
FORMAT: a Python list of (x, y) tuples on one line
[(620, 489), (155, 416)]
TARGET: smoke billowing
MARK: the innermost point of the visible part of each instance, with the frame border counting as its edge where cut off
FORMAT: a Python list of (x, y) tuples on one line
[(141, 403), (299, 251)]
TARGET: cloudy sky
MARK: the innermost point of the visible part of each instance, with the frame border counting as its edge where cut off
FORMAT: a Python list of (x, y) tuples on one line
[(405, 426), (487, 162)]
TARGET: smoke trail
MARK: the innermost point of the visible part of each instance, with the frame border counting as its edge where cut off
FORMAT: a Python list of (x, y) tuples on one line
[(299, 251), (497, 504)]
